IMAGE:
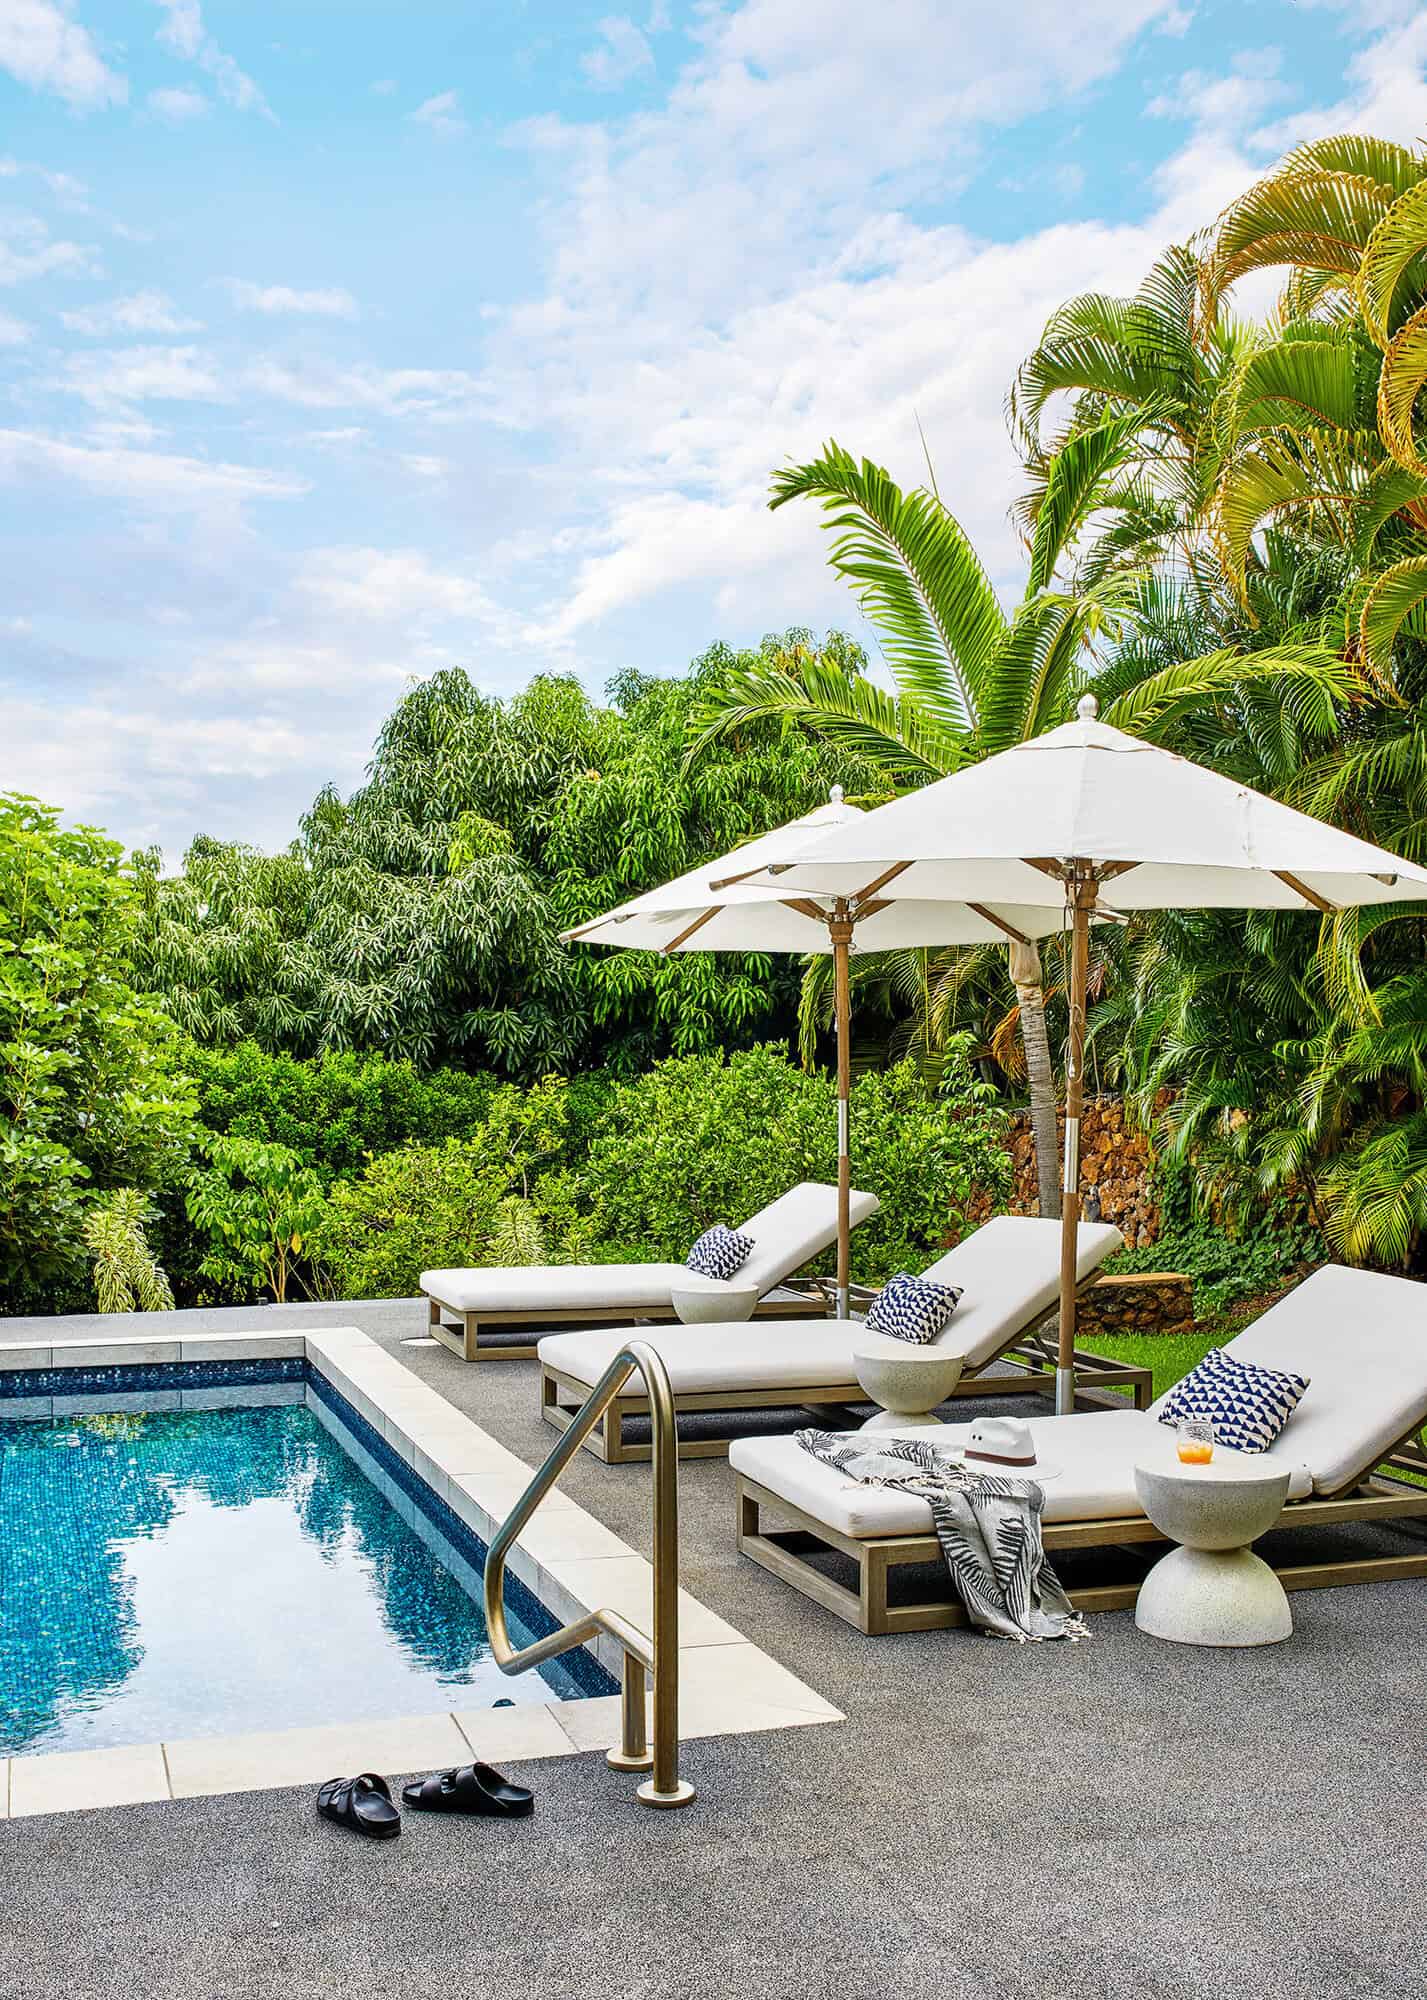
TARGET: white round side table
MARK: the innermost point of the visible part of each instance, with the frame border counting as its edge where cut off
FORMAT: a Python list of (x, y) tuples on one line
[(906, 1379), (1212, 1590), (701, 1302)]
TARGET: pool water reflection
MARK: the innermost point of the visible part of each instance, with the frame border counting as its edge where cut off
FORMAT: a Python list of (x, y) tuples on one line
[(206, 1571)]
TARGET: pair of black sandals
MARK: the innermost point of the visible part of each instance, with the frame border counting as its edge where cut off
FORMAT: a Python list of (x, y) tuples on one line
[(364, 1804)]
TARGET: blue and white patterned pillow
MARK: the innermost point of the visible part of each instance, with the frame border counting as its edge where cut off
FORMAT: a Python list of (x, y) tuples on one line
[(911, 1308), (1248, 1405), (720, 1252)]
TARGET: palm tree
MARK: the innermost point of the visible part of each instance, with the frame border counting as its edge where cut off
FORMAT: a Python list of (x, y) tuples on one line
[(970, 679)]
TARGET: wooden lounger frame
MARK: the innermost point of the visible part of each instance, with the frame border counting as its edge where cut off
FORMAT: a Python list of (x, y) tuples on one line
[(1032, 1351), (1378, 1497), (460, 1330)]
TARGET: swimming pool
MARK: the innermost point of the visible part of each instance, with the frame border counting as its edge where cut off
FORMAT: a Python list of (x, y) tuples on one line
[(218, 1548)]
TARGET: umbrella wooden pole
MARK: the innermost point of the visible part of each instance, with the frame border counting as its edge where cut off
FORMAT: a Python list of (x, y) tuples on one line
[(1082, 900), (840, 931)]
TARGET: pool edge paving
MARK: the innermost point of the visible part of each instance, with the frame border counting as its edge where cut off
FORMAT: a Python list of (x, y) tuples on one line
[(729, 1686)]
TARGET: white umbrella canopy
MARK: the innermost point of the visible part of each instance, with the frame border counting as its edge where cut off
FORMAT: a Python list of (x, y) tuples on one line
[(1081, 812), (692, 913)]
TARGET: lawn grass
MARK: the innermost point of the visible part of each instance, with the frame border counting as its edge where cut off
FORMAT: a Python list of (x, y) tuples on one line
[(1171, 1355)]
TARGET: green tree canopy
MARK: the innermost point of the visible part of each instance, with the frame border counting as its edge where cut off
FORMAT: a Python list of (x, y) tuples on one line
[(90, 1095)]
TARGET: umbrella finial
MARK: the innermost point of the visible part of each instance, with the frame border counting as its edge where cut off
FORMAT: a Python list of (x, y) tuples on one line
[(1087, 708), (835, 795)]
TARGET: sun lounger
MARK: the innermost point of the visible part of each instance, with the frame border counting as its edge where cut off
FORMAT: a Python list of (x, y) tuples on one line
[(520, 1302), (1361, 1338), (1009, 1271)]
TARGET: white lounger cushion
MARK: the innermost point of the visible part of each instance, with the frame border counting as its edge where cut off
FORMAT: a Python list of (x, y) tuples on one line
[(1096, 1452), (1009, 1274), (1015, 1281), (787, 1234), (732, 1356), (537, 1288), (1361, 1339)]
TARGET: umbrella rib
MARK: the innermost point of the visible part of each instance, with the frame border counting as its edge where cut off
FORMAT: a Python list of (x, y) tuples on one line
[(879, 882), (805, 907), (1302, 889), (705, 917), (1007, 930)]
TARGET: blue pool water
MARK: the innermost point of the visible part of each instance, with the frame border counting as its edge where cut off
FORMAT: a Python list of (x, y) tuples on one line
[(191, 1572)]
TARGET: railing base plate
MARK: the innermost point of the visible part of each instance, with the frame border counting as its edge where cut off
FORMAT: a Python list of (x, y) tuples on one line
[(620, 1760), (683, 1794)]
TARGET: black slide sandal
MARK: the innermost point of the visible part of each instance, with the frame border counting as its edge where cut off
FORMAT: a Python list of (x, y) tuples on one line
[(363, 1804), (477, 1789)]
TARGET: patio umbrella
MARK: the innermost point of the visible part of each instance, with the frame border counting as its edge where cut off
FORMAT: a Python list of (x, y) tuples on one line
[(693, 913), (1085, 809)]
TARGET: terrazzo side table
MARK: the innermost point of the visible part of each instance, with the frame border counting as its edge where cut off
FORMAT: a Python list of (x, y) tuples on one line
[(699, 1304), (907, 1380), (1212, 1590)]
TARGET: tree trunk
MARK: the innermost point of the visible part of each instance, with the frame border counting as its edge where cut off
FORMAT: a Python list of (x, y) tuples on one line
[(1030, 998)]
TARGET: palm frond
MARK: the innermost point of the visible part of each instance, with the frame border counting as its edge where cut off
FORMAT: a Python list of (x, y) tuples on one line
[(916, 576)]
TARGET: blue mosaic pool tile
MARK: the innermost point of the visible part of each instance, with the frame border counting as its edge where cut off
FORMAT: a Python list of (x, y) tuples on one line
[(131, 1378)]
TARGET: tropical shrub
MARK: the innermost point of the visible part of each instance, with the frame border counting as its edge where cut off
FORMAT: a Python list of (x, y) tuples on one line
[(126, 1276), (467, 1201), (1238, 1253), (91, 1093), (705, 1139), (334, 1111), (257, 1204)]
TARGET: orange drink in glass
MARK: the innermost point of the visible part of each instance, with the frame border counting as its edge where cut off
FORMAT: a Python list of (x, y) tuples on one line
[(1196, 1441)]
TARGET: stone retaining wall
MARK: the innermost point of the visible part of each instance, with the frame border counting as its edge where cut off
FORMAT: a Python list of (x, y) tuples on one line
[(1136, 1302), (1114, 1168)]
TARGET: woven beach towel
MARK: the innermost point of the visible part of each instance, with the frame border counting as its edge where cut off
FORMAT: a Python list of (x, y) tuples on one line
[(989, 1529)]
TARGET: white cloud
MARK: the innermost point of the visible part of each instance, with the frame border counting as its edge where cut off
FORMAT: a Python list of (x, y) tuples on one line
[(167, 481), (329, 303), (27, 250), (68, 191), (136, 312), (318, 384), (394, 586), (384, 86), (180, 106), (442, 115), (623, 51), (13, 332), (145, 374), (184, 35), (44, 47)]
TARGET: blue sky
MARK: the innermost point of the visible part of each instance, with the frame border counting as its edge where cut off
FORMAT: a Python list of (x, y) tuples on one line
[(340, 342)]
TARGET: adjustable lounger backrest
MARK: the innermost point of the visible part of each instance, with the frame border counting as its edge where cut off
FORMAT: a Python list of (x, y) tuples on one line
[(793, 1229), (1009, 1274), (1361, 1339)]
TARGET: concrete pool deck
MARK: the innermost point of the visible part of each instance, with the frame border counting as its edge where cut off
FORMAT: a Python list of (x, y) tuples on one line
[(1118, 1818)]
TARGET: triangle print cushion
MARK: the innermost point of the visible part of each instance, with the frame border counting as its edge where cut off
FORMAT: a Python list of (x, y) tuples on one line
[(1248, 1405)]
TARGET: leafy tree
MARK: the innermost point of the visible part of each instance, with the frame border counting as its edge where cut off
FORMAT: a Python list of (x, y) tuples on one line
[(420, 918), (257, 1204), (91, 1096)]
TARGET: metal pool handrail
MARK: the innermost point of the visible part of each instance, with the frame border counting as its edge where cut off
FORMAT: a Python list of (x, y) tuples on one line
[(642, 1655)]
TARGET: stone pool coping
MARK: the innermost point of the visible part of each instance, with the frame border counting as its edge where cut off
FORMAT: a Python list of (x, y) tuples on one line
[(566, 1557)]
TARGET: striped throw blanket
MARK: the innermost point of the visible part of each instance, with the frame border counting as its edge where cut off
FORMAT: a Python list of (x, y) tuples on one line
[(989, 1529)]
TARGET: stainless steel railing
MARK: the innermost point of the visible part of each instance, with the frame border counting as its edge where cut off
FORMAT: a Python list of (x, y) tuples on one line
[(643, 1654)]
